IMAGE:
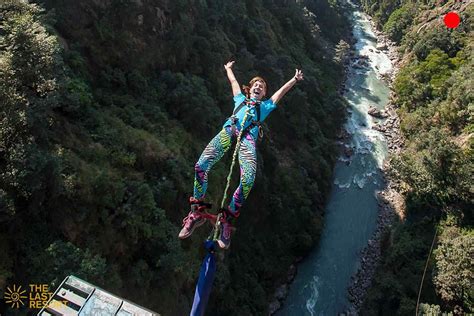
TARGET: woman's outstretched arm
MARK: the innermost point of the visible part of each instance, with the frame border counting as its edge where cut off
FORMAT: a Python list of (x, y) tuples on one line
[(233, 82), (287, 86)]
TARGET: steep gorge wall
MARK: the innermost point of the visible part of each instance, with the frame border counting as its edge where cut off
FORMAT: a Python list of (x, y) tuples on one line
[(133, 92), (433, 96)]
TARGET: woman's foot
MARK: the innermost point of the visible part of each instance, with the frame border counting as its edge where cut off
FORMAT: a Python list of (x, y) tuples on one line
[(194, 218), (190, 222), (226, 230)]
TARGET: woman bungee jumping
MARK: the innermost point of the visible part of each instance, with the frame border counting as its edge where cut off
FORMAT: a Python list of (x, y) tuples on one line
[(249, 112)]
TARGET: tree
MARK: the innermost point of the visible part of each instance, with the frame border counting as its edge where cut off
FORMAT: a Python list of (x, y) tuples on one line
[(61, 259), (29, 67), (399, 21), (341, 51), (427, 309), (454, 279), (435, 169)]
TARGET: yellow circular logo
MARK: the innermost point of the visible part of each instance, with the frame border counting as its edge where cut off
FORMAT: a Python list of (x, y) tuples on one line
[(15, 296)]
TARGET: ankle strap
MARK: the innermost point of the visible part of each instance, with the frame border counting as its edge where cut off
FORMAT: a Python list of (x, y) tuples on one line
[(201, 203), (228, 216)]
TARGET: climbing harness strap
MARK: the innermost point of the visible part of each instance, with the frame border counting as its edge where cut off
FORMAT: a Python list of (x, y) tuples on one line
[(253, 124)]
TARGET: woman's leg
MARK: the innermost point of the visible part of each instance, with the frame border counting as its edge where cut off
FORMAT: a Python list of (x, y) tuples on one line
[(211, 154), (248, 170)]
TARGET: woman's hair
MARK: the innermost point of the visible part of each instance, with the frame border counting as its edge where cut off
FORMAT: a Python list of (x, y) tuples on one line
[(254, 79)]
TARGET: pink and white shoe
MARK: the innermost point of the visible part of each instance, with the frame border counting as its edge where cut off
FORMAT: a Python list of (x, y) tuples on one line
[(190, 223), (194, 218)]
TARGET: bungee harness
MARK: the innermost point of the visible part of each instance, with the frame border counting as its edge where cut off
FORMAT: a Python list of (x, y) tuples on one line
[(254, 123)]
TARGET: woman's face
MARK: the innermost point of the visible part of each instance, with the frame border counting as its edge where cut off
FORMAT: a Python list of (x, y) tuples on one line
[(257, 90)]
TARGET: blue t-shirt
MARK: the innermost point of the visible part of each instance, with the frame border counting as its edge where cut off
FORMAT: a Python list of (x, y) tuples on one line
[(265, 108)]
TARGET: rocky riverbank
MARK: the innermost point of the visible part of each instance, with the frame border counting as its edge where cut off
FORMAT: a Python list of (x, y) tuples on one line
[(391, 202), (282, 291)]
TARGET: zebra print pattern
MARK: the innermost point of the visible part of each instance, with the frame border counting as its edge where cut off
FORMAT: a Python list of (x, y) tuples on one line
[(213, 152), (248, 171)]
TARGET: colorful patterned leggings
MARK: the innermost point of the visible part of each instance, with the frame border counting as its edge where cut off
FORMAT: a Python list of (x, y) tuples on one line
[(214, 152)]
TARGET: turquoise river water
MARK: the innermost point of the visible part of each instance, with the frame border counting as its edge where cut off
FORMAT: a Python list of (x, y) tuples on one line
[(320, 287)]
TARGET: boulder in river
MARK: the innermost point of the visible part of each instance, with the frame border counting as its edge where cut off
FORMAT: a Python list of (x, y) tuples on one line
[(377, 127), (348, 151), (381, 46), (376, 112)]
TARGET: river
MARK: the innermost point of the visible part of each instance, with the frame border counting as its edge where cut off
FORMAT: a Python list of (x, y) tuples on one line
[(320, 287)]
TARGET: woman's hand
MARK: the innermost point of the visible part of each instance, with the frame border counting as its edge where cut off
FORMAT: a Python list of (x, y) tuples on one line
[(287, 86), (230, 75), (229, 65), (298, 75)]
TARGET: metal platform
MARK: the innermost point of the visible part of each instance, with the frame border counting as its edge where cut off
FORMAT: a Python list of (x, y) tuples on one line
[(77, 297)]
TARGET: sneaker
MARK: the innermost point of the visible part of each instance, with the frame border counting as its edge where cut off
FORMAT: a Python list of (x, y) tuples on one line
[(194, 218), (226, 230), (190, 222)]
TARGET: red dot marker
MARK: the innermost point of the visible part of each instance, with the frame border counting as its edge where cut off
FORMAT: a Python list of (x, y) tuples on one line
[(452, 20)]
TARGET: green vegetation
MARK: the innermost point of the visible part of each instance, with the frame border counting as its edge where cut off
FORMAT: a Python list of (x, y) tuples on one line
[(105, 107), (381, 11), (454, 266), (399, 21), (435, 100)]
